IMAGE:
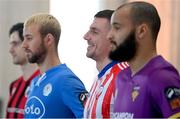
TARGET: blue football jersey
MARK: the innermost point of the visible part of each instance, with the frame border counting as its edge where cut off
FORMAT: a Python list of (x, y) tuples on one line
[(58, 93)]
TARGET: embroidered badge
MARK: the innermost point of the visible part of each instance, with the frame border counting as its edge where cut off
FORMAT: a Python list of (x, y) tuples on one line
[(83, 97), (135, 93), (47, 89), (173, 97)]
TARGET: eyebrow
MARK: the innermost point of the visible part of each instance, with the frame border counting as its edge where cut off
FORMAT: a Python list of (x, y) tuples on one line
[(115, 23), (11, 42), (27, 35), (94, 29)]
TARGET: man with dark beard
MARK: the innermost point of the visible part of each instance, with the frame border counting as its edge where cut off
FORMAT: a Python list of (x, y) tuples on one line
[(57, 92), (150, 87)]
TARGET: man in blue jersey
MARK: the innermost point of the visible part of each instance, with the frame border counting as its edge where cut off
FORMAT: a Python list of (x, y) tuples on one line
[(150, 88), (57, 92)]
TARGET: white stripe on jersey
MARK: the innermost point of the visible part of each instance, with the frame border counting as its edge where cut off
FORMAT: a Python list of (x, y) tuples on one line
[(96, 90), (102, 97)]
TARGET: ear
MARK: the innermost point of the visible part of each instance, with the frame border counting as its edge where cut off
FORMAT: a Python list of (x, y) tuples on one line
[(141, 31), (49, 39)]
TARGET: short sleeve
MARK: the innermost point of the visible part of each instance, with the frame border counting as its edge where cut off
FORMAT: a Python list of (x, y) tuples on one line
[(74, 95), (165, 92)]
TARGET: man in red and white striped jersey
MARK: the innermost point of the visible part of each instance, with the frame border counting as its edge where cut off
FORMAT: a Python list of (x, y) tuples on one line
[(19, 87), (101, 96)]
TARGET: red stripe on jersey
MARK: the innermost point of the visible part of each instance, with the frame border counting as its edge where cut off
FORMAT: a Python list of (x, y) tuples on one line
[(17, 97), (93, 114), (88, 103), (101, 95), (98, 93), (105, 106), (110, 92), (17, 100)]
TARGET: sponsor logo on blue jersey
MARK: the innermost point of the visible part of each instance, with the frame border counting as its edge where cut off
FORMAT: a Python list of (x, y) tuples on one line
[(34, 108)]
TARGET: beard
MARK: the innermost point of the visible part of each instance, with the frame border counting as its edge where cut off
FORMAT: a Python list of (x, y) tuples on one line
[(126, 50), (39, 56)]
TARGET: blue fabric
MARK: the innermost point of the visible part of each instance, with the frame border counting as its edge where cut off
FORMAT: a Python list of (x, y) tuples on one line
[(55, 94), (103, 71)]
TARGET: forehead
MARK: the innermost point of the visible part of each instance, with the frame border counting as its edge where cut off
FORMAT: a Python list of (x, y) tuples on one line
[(14, 37), (30, 29), (122, 15), (100, 23)]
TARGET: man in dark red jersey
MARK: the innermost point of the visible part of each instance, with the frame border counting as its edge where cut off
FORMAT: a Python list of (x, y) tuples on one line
[(19, 87)]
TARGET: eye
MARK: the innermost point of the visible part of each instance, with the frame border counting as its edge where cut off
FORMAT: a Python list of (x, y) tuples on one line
[(14, 43), (116, 27), (94, 32), (28, 38)]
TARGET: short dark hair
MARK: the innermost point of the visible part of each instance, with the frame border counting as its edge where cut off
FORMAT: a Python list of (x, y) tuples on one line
[(145, 12), (104, 14), (19, 28)]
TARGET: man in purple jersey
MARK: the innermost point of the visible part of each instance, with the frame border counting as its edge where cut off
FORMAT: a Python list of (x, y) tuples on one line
[(150, 88)]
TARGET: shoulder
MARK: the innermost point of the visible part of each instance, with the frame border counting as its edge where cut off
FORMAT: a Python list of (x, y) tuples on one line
[(66, 75), (17, 81), (120, 66), (162, 79), (67, 80), (166, 75)]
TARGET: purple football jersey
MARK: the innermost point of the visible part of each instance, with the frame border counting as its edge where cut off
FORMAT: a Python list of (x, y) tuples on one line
[(152, 92)]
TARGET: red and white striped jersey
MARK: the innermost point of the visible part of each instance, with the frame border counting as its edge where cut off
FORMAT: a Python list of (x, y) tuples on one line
[(101, 96), (18, 96)]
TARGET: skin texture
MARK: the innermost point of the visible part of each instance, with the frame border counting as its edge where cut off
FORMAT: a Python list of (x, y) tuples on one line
[(122, 27), (34, 45), (16, 51), (98, 44)]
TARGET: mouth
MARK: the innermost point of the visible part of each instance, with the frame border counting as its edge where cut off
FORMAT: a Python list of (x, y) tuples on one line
[(113, 45), (13, 54), (90, 46), (113, 42), (27, 51)]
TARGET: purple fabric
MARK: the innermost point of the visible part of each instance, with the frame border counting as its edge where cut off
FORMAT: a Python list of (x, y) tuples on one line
[(149, 93)]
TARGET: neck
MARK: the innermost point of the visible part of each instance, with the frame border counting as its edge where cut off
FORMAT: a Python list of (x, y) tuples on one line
[(28, 69), (50, 61), (101, 64), (140, 61)]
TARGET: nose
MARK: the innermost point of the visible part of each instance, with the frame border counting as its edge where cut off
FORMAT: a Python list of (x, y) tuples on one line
[(11, 50), (110, 35), (24, 44), (86, 36)]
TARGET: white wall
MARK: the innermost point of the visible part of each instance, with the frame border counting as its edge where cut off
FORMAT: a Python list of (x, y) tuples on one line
[(75, 17)]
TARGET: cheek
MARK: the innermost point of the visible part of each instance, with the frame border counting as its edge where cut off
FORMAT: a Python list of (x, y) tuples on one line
[(19, 49), (22, 53), (34, 45), (119, 38)]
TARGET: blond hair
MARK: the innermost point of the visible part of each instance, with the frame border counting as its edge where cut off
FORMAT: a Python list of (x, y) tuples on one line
[(47, 24)]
